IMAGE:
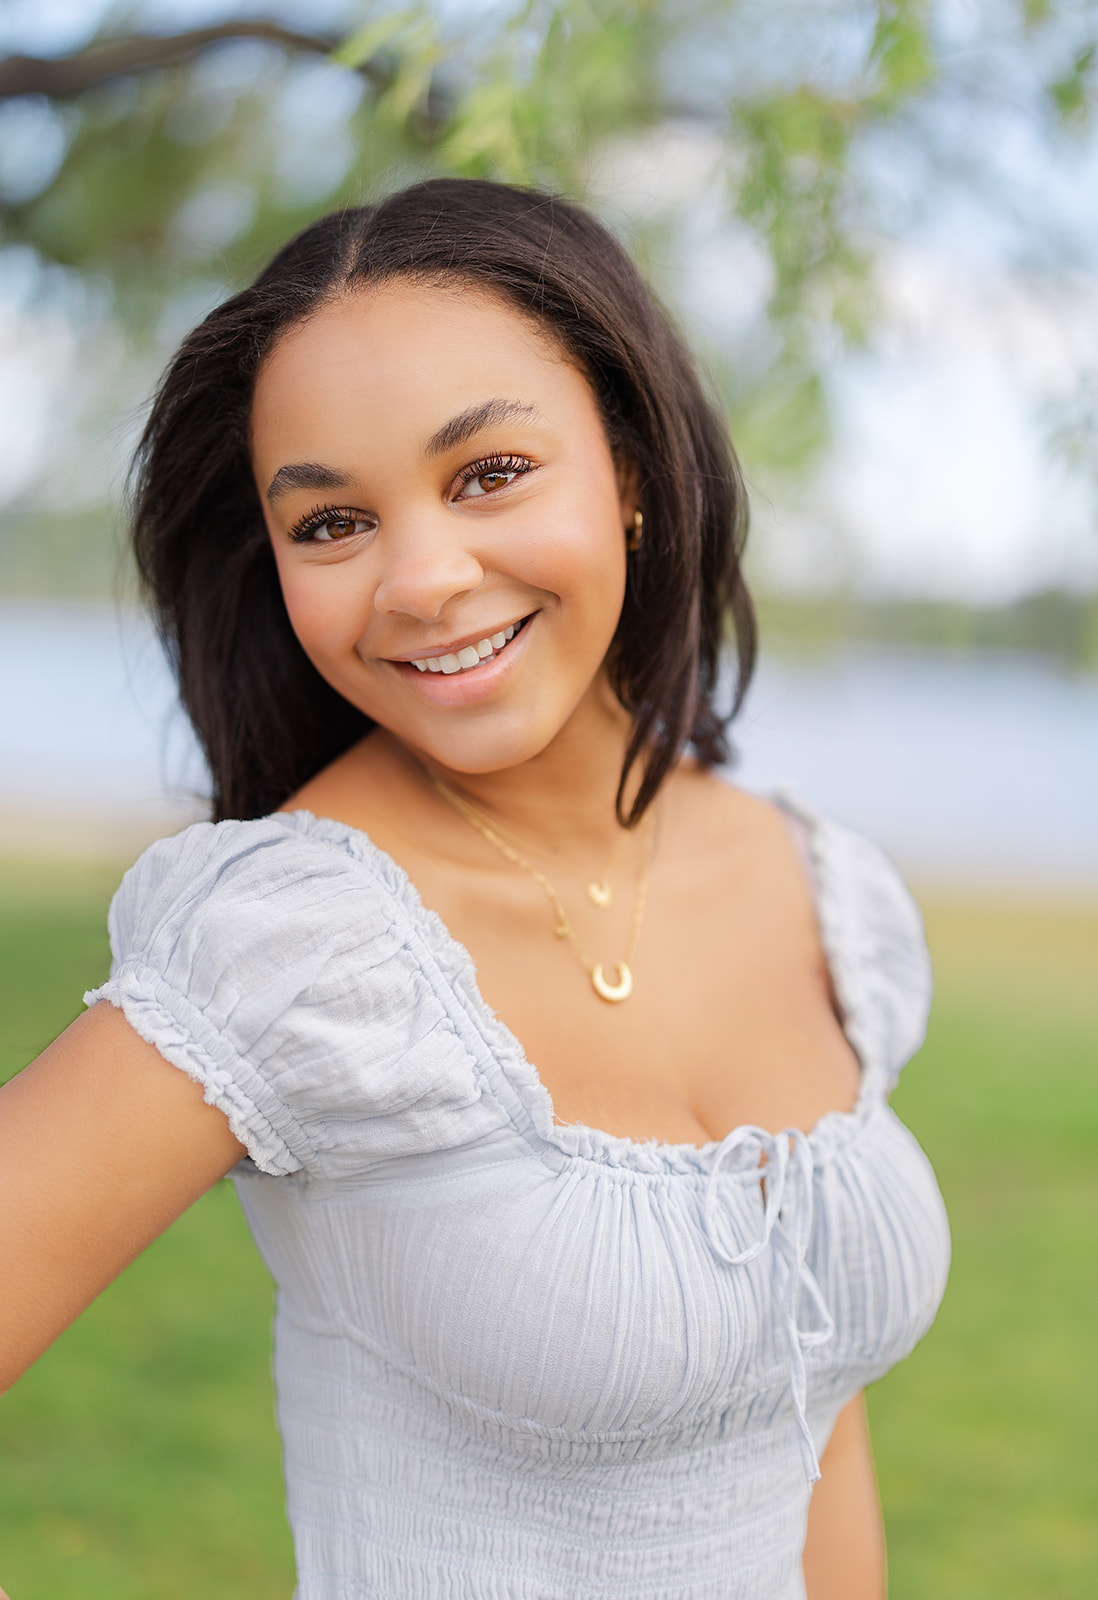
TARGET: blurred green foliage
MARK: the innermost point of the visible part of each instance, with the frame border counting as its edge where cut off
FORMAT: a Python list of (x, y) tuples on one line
[(1057, 623), (190, 174), (148, 194), (139, 1457)]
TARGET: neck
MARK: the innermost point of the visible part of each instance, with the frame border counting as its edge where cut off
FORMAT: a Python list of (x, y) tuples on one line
[(564, 796)]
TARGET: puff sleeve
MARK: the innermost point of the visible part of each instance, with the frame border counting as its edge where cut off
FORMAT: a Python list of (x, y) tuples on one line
[(873, 935), (273, 969), (882, 952)]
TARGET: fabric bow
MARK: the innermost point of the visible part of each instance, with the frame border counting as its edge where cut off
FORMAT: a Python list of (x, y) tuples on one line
[(782, 1162)]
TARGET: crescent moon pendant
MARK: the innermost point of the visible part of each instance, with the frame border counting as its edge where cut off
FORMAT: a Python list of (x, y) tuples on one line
[(615, 993)]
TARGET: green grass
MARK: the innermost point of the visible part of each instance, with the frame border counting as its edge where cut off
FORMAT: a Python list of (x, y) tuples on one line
[(139, 1461), (986, 1436)]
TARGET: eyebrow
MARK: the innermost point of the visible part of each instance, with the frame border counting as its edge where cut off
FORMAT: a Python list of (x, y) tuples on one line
[(306, 475), (488, 414), (459, 429)]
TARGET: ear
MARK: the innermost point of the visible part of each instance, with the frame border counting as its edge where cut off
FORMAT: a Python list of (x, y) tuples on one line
[(628, 475)]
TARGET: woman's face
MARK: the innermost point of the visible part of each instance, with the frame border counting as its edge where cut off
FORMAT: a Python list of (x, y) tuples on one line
[(435, 475)]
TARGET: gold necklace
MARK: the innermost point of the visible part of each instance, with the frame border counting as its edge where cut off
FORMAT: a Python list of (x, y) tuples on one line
[(598, 890), (613, 993)]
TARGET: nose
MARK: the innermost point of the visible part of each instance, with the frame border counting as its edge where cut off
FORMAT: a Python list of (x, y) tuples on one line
[(424, 569)]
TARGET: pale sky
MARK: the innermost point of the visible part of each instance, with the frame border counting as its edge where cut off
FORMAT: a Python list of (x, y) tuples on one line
[(941, 480)]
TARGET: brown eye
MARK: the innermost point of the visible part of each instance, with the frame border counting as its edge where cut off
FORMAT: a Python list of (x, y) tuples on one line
[(475, 488), (343, 528), (491, 474), (329, 525)]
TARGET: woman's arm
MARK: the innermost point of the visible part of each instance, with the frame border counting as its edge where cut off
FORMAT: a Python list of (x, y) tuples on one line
[(844, 1551), (102, 1145)]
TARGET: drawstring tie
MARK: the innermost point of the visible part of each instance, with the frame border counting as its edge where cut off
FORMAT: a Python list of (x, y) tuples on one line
[(787, 1228)]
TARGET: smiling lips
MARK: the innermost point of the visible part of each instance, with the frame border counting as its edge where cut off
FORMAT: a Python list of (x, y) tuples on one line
[(471, 656)]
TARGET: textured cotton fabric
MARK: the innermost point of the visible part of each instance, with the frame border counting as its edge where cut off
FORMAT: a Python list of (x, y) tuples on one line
[(517, 1360)]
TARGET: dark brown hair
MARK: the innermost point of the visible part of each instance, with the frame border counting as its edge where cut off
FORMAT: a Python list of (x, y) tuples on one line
[(265, 717)]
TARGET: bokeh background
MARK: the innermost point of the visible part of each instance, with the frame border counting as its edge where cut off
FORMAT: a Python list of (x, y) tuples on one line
[(878, 224)]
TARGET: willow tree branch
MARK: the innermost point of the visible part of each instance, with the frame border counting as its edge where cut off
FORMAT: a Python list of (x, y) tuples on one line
[(64, 77)]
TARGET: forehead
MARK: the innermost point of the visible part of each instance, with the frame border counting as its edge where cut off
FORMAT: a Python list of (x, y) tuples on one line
[(408, 353)]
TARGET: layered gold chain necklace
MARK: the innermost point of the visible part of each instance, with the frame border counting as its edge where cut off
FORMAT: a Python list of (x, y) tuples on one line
[(598, 891)]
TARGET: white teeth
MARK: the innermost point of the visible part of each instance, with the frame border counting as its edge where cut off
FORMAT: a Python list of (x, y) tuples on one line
[(470, 655)]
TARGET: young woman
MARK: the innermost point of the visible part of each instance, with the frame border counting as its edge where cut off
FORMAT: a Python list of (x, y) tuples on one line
[(445, 535)]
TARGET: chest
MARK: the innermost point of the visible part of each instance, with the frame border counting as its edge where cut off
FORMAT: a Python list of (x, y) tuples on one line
[(731, 1018)]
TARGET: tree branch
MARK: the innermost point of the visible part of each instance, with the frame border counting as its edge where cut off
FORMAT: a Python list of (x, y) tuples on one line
[(64, 77)]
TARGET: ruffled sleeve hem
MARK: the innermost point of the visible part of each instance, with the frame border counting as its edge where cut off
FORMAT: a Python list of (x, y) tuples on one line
[(166, 1019), (873, 937)]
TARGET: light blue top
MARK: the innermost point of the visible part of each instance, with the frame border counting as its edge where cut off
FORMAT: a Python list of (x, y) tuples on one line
[(515, 1360)]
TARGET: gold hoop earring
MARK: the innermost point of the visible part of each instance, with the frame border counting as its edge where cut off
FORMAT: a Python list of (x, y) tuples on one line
[(633, 542)]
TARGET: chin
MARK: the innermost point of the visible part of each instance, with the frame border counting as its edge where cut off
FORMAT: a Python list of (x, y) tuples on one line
[(476, 759), (477, 750)]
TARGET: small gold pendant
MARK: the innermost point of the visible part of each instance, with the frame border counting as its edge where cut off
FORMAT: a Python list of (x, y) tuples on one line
[(615, 993), (600, 893)]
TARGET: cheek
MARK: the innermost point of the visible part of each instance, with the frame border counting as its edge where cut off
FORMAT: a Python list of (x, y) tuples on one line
[(577, 552), (324, 613)]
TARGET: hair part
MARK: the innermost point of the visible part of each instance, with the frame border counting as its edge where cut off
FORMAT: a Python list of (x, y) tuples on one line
[(267, 721)]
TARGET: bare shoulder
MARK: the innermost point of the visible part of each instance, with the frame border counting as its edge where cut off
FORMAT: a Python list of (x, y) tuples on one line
[(739, 849), (367, 787), (724, 819), (331, 789)]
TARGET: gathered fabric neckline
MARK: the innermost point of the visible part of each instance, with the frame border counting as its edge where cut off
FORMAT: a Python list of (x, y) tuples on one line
[(579, 1140)]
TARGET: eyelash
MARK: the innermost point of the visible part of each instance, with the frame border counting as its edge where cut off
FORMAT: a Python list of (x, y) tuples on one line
[(323, 516), (494, 463)]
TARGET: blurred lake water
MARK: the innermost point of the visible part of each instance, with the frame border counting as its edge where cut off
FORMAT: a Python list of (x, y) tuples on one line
[(969, 769)]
